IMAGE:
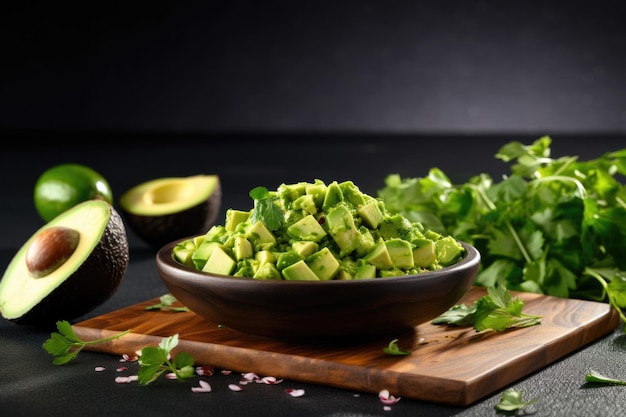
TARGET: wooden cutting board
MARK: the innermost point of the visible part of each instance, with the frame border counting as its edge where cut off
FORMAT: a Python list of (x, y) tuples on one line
[(455, 366)]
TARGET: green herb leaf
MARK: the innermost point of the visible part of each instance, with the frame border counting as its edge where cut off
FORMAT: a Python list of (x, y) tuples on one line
[(155, 360), (511, 400), (65, 345), (496, 311), (266, 210), (595, 377), (166, 303), (554, 226), (393, 349)]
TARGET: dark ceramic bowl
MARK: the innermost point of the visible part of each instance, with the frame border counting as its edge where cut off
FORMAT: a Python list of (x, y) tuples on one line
[(319, 312)]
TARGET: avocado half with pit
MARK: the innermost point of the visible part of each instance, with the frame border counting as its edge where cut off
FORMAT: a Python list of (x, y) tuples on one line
[(165, 209), (68, 267)]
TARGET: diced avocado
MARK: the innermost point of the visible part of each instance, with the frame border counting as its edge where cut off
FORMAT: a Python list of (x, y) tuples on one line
[(242, 248), (234, 218), (323, 264), (318, 191), (299, 271), (395, 226), (342, 229), (260, 236), (333, 196), (267, 271), (366, 241), (286, 259), (215, 233), (343, 275), (197, 241), (365, 271), (219, 262), (379, 256), (290, 192), (304, 248), (352, 193), (265, 256), (393, 272), (306, 203), (424, 255), (448, 250), (371, 214), (203, 253), (401, 253), (183, 256), (307, 228)]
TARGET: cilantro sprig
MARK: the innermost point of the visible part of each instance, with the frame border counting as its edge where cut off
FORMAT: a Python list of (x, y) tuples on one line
[(155, 360), (597, 378), (65, 345), (554, 226), (266, 209), (166, 303), (498, 310)]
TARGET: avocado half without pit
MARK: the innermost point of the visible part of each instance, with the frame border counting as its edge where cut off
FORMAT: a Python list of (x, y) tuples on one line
[(165, 209), (68, 267)]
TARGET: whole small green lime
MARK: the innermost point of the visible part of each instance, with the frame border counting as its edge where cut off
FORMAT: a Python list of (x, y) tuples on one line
[(63, 186)]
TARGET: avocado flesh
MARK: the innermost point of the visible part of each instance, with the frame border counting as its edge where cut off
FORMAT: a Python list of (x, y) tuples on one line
[(85, 280), (166, 209)]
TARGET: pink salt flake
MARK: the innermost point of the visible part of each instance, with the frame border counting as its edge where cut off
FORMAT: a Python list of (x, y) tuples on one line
[(99, 368), (205, 370), (250, 376), (226, 372), (294, 392), (122, 369), (170, 375), (386, 398), (387, 408), (123, 379), (204, 387), (234, 387), (270, 380)]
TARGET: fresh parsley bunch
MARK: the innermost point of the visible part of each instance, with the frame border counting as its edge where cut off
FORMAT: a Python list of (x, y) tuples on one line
[(554, 226)]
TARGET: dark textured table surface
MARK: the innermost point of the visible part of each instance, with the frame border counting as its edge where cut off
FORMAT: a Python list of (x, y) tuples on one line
[(32, 385)]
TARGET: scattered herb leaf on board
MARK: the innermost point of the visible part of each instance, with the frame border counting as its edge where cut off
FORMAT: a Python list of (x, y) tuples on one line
[(496, 311), (166, 302), (394, 349), (65, 345), (511, 401), (554, 226)]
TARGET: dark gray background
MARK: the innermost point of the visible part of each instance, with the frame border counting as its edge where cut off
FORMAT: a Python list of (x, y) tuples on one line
[(317, 66)]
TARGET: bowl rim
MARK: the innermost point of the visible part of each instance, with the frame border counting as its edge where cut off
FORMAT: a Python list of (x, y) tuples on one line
[(165, 260)]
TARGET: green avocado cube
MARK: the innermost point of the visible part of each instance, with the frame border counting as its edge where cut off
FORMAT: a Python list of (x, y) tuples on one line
[(260, 235), (366, 241), (333, 196), (234, 218), (365, 271), (449, 250), (267, 271), (371, 214), (203, 253), (341, 227), (219, 262), (299, 271), (306, 203), (401, 253), (286, 259), (307, 228), (264, 257), (352, 193), (323, 264), (379, 256), (304, 248), (242, 248), (318, 191), (424, 255)]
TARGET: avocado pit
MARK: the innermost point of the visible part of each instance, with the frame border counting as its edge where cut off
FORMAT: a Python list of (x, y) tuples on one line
[(50, 249)]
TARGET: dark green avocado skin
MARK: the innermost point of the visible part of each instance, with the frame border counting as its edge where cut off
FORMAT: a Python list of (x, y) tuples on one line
[(157, 231), (94, 282)]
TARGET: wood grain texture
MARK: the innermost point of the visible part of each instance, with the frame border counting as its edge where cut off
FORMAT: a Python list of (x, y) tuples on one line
[(455, 366)]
